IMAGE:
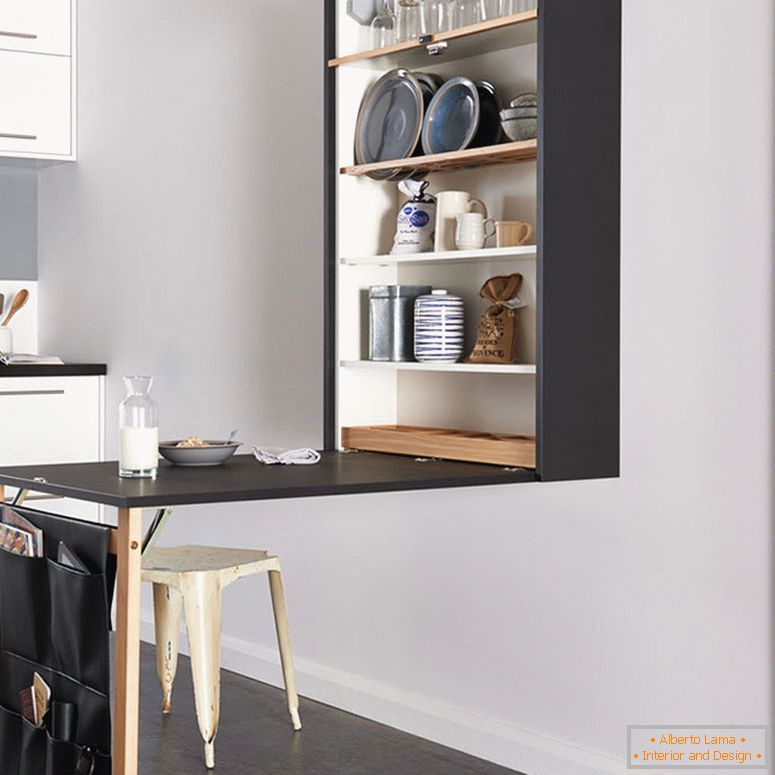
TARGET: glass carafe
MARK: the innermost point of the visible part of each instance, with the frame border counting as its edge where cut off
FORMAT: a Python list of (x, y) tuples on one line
[(138, 430)]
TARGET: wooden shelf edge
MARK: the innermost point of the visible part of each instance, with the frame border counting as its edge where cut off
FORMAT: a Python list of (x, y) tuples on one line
[(415, 45), (503, 153)]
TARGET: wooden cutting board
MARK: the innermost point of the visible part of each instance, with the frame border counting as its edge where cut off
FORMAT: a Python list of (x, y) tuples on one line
[(471, 447)]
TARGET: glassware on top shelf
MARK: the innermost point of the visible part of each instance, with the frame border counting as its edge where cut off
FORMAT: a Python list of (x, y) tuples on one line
[(509, 7), (383, 27), (138, 430), (490, 9), (438, 16), (410, 20), (465, 12)]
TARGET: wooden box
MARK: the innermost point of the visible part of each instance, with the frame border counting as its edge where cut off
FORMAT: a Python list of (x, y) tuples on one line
[(518, 451)]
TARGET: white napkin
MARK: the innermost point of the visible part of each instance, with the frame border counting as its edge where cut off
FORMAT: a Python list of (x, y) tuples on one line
[(289, 457)]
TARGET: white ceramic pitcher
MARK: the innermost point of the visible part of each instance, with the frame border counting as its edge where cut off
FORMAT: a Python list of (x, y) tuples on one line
[(450, 204)]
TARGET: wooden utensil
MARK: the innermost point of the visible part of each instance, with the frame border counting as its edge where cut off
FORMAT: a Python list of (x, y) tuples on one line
[(18, 302)]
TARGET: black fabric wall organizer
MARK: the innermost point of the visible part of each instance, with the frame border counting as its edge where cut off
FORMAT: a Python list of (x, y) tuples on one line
[(56, 621)]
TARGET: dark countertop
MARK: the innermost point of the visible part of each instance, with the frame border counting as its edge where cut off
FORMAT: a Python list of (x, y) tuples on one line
[(243, 478), (66, 370)]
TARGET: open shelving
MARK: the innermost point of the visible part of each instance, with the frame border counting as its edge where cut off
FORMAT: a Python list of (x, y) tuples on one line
[(565, 389)]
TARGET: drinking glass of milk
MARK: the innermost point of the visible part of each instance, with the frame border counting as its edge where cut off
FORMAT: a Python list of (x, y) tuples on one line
[(138, 430)]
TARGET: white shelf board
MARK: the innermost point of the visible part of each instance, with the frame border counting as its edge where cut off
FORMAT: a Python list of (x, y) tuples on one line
[(451, 368), (523, 252)]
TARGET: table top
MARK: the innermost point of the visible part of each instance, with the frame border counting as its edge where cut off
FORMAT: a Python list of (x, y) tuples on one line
[(243, 478), (54, 370)]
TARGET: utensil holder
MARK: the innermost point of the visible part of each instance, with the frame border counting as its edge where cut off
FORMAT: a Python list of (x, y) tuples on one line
[(55, 621), (6, 340)]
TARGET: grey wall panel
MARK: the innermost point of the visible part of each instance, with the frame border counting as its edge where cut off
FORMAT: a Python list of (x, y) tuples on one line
[(18, 225)]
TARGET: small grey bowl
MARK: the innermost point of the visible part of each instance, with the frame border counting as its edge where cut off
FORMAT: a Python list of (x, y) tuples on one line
[(519, 129), (526, 100), (507, 114), (216, 455)]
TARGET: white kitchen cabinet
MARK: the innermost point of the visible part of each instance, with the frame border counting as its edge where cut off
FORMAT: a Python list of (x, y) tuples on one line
[(38, 80), (35, 105), (40, 26), (52, 420)]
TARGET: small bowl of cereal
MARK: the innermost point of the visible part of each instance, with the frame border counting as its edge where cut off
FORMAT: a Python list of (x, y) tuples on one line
[(194, 451)]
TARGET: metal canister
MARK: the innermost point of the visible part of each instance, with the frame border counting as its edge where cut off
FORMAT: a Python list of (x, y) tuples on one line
[(391, 321)]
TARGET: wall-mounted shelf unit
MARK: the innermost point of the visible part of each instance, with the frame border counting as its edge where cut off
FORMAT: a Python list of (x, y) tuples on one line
[(564, 392)]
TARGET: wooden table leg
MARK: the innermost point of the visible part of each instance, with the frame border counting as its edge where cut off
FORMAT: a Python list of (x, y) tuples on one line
[(128, 540)]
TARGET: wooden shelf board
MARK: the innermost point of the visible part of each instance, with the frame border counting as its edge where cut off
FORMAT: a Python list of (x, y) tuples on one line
[(522, 252), (450, 368), (496, 449), (493, 35), (504, 153)]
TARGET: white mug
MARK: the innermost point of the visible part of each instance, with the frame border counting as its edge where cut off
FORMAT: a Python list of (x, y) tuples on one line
[(450, 204), (6, 340), (473, 229)]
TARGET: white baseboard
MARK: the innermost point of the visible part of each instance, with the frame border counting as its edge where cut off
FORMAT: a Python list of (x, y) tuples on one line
[(507, 745)]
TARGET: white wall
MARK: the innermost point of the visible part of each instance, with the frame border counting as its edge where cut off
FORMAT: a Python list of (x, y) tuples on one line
[(530, 623)]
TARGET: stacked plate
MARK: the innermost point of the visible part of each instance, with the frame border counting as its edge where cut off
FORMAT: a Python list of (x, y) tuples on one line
[(402, 109)]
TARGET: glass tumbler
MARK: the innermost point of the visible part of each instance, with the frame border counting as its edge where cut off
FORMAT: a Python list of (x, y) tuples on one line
[(438, 15), (465, 12), (383, 27), (411, 20), (138, 430), (490, 9)]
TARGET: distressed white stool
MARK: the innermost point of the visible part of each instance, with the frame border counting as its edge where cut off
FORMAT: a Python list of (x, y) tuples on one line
[(192, 577)]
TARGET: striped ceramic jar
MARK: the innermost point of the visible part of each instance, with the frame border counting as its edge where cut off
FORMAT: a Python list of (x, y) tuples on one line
[(439, 321)]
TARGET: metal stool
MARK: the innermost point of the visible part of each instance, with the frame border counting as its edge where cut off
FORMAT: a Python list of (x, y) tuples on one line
[(193, 577)]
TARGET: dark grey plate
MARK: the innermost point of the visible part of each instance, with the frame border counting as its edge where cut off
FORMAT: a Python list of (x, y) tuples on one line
[(389, 119), (198, 456)]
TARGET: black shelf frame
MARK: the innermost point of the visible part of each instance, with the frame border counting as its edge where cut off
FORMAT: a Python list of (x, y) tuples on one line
[(578, 236)]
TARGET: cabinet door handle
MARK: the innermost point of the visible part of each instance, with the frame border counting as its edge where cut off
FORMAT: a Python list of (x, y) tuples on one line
[(25, 35), (11, 136), (32, 392)]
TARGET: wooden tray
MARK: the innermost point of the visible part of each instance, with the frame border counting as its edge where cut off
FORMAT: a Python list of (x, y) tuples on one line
[(519, 451)]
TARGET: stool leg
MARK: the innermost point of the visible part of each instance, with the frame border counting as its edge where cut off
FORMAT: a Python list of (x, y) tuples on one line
[(284, 643), (202, 601), (167, 609)]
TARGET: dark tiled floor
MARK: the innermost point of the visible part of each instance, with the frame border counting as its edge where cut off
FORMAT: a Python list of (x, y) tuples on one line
[(256, 737)]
